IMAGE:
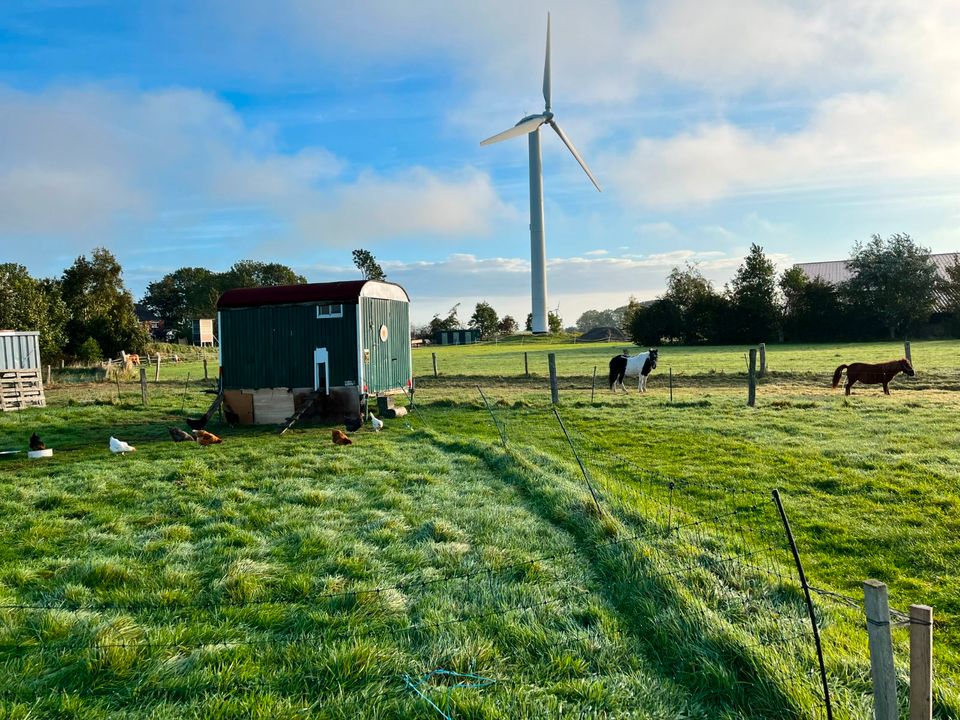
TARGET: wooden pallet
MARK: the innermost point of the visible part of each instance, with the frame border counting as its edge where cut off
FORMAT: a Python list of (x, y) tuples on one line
[(20, 389)]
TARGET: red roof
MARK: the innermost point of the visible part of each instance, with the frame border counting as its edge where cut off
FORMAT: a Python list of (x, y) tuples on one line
[(349, 290)]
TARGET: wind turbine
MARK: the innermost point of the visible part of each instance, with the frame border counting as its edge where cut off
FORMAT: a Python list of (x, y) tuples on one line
[(530, 126)]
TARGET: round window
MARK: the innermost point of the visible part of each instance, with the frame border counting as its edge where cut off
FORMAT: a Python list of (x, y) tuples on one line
[(384, 333)]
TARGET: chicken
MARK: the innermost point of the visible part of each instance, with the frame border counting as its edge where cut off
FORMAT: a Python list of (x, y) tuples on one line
[(340, 438), (376, 422), (179, 435), (206, 438), (351, 423), (119, 446), (36, 443)]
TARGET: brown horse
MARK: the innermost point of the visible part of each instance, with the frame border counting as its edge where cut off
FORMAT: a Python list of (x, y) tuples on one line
[(866, 373)]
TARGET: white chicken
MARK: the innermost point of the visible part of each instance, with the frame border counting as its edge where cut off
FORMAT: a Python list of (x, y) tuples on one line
[(376, 422), (119, 446)]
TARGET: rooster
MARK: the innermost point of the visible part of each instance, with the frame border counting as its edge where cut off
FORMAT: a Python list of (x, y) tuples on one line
[(119, 446), (206, 438), (178, 435), (36, 443), (340, 438)]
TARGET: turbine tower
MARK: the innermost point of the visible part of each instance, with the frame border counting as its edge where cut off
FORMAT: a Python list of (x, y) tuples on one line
[(530, 126)]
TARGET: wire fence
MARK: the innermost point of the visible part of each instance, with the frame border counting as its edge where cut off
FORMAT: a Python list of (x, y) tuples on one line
[(701, 574)]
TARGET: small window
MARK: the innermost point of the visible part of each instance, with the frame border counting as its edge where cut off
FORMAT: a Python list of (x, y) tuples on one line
[(329, 311)]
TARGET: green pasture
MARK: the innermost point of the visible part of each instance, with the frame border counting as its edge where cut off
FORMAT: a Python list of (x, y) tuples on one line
[(284, 576)]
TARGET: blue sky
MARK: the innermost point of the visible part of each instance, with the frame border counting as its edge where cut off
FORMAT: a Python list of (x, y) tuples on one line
[(202, 133)]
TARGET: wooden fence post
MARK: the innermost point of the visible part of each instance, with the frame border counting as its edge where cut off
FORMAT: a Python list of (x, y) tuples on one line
[(554, 390), (49, 371), (763, 359), (906, 351), (526, 365), (205, 375), (881, 650), (921, 662), (752, 378), (143, 385), (434, 364), (156, 377)]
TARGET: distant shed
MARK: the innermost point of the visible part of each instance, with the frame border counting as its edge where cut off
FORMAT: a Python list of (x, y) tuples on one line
[(456, 337), (340, 340), (203, 332), (21, 381)]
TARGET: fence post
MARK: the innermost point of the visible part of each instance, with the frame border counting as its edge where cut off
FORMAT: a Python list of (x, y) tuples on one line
[(554, 391), (526, 365), (921, 662), (205, 375), (156, 377), (143, 385), (881, 650), (752, 378), (670, 371), (593, 388), (48, 374), (434, 364), (763, 359), (906, 351)]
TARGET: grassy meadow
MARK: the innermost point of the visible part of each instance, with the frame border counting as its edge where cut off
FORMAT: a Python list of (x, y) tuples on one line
[(288, 577)]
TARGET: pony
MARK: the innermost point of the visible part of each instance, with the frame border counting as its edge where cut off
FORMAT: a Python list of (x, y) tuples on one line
[(880, 373), (632, 366)]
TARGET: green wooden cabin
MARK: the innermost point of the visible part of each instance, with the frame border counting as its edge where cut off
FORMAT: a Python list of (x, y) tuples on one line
[(343, 339)]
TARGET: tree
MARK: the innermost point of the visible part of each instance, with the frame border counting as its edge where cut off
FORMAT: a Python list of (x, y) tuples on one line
[(30, 304), (949, 290), (485, 319), (753, 295), (507, 325), (100, 306), (251, 273), (450, 322), (699, 311), (367, 264), (660, 321), (893, 282), (812, 309), (554, 321)]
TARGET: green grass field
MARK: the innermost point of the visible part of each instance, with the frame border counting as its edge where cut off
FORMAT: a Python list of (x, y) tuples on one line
[(283, 576)]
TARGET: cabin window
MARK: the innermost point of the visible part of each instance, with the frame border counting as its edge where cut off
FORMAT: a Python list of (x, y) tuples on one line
[(329, 311)]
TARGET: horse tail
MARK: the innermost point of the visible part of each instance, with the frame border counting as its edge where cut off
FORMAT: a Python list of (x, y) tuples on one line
[(837, 373), (613, 374)]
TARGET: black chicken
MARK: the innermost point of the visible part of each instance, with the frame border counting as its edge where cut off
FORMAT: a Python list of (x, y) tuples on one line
[(352, 424), (178, 435), (201, 422), (36, 443)]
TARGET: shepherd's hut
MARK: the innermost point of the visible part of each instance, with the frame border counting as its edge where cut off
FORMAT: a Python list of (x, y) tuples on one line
[(332, 343)]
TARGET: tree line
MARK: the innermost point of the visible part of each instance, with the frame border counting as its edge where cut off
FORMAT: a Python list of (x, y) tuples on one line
[(894, 290)]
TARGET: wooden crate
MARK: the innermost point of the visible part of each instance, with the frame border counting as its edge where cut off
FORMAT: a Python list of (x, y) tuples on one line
[(21, 388)]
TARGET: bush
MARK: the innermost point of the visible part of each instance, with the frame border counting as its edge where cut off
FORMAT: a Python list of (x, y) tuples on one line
[(89, 351)]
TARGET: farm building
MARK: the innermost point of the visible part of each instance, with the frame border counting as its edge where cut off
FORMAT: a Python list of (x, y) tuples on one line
[(21, 383), (834, 272), (282, 347), (456, 337)]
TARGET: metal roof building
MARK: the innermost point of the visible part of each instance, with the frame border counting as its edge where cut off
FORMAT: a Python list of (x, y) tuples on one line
[(340, 339)]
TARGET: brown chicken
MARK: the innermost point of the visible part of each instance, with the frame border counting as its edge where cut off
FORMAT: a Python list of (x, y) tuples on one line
[(340, 438), (206, 438)]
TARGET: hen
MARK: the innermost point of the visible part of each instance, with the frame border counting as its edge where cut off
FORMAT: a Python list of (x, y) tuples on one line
[(36, 443), (206, 438), (376, 422), (119, 446), (178, 435), (340, 438), (351, 423)]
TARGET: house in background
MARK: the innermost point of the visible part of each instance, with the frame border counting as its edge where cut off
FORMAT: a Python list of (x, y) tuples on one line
[(150, 322), (456, 337)]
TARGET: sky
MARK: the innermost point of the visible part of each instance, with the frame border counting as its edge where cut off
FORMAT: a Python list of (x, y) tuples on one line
[(199, 133)]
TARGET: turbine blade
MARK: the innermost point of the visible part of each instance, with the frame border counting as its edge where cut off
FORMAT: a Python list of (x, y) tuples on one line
[(572, 149), (546, 70), (521, 128)]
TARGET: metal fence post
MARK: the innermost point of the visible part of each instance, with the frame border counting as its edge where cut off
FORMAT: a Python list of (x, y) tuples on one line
[(752, 378), (593, 388), (526, 365), (554, 390), (434, 364), (881, 650)]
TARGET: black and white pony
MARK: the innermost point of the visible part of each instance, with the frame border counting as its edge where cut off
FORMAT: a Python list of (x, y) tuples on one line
[(632, 366)]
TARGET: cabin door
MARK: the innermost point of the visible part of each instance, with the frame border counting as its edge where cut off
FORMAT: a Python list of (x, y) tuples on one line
[(321, 371)]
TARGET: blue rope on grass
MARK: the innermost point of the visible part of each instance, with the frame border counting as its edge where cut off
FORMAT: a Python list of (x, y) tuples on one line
[(478, 682)]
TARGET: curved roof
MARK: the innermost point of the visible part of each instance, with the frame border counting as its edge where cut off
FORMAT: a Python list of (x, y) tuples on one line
[(346, 291)]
